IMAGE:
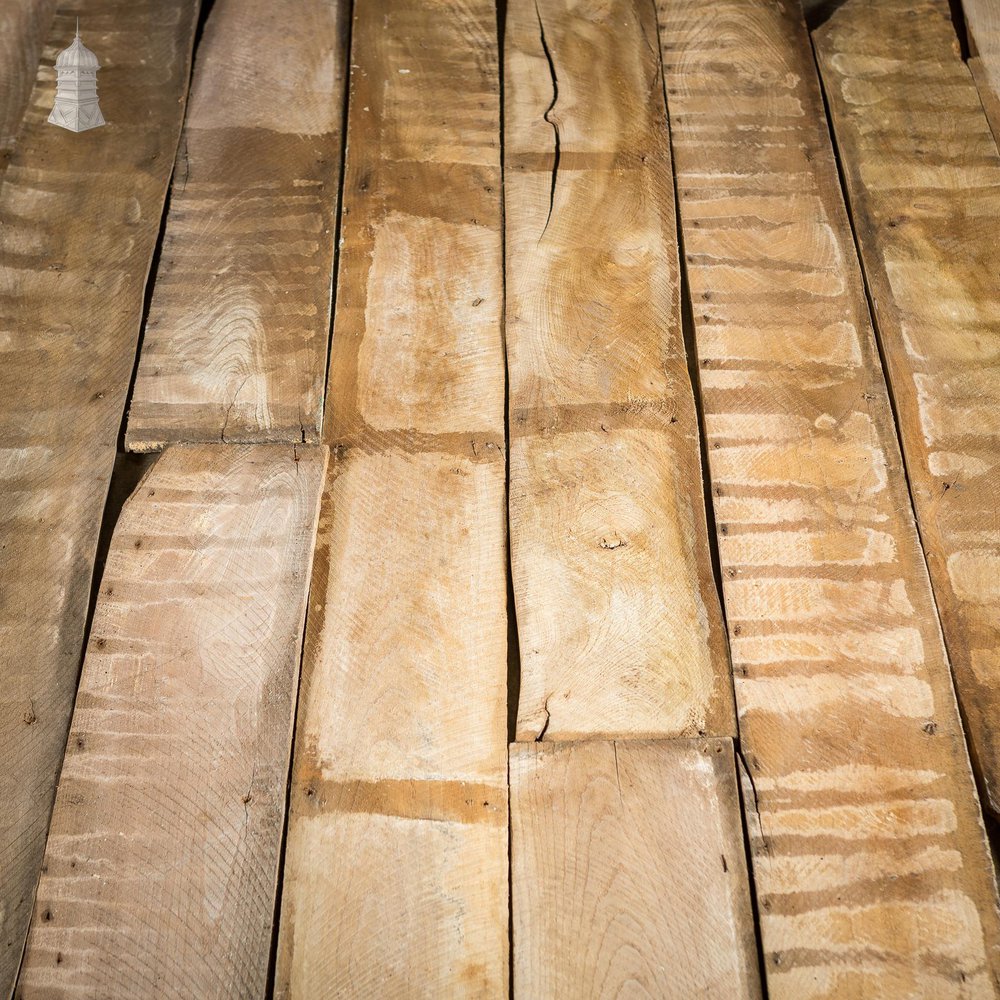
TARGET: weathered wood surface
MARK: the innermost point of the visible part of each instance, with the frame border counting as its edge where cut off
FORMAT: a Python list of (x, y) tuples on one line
[(24, 25), (618, 617), (79, 216), (628, 876), (395, 880), (235, 348), (923, 178), (982, 22), (162, 860), (871, 867)]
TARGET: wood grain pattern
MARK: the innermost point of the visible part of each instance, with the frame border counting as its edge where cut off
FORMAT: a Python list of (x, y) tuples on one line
[(619, 624), (24, 25), (982, 21), (79, 216), (628, 876), (396, 871), (162, 860), (235, 347), (870, 863), (923, 177)]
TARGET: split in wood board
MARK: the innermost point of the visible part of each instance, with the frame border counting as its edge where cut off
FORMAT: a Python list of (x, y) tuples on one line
[(628, 874), (80, 215), (396, 871), (162, 860), (235, 348), (923, 177), (982, 22), (619, 624), (871, 867)]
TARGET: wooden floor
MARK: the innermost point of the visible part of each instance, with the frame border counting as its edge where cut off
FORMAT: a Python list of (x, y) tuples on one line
[(501, 501)]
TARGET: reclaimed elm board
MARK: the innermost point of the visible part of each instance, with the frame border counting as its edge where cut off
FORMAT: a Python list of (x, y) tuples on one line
[(626, 638), (235, 347), (598, 292), (871, 838), (923, 175), (400, 758), (628, 875), (162, 858), (78, 227)]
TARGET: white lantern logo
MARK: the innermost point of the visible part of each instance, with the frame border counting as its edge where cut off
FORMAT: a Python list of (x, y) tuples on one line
[(76, 106)]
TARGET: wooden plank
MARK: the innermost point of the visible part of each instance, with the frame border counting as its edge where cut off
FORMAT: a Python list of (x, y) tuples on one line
[(79, 216), (628, 875), (982, 22), (923, 177), (871, 868), (161, 866), (619, 623), (400, 763), (235, 347), (24, 25)]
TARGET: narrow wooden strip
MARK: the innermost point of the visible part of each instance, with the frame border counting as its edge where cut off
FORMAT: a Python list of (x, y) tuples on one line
[(871, 868), (396, 871), (24, 25), (235, 347), (162, 860), (923, 176), (982, 21), (79, 216), (628, 874), (618, 617)]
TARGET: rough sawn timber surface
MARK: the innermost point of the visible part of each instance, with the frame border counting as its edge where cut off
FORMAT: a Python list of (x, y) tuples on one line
[(618, 616), (79, 217), (395, 879), (162, 860), (24, 26), (870, 862), (235, 348), (628, 876), (923, 178), (982, 22)]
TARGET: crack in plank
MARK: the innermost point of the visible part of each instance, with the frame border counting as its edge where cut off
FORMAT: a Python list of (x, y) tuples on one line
[(555, 125)]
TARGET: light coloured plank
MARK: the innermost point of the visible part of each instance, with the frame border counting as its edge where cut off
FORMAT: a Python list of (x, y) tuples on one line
[(982, 22), (162, 860), (923, 177), (628, 876), (24, 25), (79, 217), (235, 347), (619, 623), (871, 867), (395, 879)]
